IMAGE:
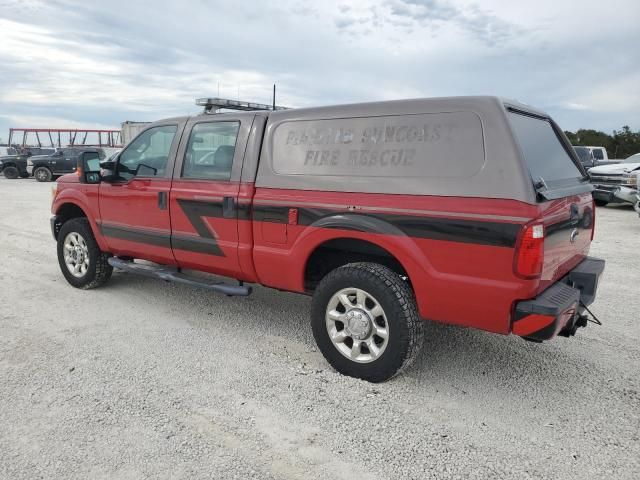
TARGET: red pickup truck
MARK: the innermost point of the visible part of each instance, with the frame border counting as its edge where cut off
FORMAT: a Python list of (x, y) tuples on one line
[(472, 211)]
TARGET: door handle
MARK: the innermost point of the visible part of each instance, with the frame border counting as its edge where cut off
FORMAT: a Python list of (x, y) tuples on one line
[(162, 200), (228, 207)]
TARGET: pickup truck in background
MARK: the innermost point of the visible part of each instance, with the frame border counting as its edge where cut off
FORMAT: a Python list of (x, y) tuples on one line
[(585, 156), (12, 164), (45, 168), (615, 183), (387, 213)]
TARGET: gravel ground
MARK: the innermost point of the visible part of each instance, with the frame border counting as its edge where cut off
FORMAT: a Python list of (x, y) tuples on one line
[(142, 379)]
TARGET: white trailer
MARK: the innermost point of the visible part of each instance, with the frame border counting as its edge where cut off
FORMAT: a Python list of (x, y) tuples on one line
[(131, 129)]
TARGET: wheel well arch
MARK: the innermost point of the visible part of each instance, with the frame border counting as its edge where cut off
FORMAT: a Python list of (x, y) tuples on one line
[(66, 212), (337, 252)]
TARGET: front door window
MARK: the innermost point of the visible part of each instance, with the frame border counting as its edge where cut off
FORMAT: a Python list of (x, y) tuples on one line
[(148, 154)]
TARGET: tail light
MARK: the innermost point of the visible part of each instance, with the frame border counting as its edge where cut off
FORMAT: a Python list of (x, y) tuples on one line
[(530, 252)]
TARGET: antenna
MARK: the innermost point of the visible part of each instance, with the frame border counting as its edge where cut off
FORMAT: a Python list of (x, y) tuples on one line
[(274, 96)]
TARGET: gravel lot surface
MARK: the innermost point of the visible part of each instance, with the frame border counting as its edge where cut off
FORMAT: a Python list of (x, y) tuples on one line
[(142, 379)]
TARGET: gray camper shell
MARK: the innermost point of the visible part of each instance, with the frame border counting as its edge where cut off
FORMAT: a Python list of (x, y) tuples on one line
[(480, 146), (456, 146)]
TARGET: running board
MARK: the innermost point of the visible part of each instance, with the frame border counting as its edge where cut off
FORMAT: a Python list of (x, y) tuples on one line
[(169, 274)]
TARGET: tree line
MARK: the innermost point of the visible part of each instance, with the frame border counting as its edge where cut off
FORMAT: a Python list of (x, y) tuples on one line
[(620, 144)]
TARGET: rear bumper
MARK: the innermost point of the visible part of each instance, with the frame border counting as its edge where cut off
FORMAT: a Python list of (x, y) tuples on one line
[(559, 309)]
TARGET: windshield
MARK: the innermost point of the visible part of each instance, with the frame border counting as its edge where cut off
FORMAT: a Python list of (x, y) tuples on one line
[(545, 156), (632, 159), (11, 151)]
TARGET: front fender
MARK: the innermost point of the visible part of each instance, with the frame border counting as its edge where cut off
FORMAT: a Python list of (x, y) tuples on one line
[(85, 197)]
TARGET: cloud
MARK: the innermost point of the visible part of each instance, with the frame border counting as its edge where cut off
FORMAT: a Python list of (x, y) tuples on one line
[(106, 62), (480, 24)]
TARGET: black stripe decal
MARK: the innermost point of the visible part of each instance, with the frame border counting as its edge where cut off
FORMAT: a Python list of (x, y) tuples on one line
[(448, 229), (136, 235), (196, 210), (455, 230), (196, 244)]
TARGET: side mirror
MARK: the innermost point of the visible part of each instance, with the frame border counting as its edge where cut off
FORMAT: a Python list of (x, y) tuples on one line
[(108, 170), (88, 168)]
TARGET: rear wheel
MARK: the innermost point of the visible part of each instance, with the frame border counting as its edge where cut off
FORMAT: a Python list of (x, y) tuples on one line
[(11, 172), (43, 174), (365, 321), (82, 262), (601, 203)]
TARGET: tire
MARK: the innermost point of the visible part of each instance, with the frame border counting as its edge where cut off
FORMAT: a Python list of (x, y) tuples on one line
[(366, 286), (76, 236), (601, 203), (11, 172), (43, 174)]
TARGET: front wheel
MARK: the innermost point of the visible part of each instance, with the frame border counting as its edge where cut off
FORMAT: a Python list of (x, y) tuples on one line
[(11, 172), (43, 174), (82, 262), (365, 321)]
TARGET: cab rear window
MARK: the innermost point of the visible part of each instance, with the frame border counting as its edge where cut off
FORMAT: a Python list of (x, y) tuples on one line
[(544, 154)]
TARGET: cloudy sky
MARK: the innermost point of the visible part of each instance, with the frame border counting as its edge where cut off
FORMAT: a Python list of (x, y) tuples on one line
[(97, 63)]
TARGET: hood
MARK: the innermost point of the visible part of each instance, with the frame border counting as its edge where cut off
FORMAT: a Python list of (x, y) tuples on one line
[(12, 157), (40, 157), (615, 169)]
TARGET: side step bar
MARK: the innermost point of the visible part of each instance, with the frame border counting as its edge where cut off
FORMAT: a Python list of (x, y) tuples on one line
[(169, 274)]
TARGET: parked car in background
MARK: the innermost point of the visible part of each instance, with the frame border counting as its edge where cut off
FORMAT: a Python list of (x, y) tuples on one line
[(600, 154), (64, 160), (585, 156), (13, 165), (636, 206), (615, 183)]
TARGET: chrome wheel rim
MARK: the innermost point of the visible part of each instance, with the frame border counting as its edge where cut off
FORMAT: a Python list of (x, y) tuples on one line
[(357, 325), (41, 175), (76, 254)]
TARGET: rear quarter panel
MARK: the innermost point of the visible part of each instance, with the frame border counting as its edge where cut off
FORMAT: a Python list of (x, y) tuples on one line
[(458, 253)]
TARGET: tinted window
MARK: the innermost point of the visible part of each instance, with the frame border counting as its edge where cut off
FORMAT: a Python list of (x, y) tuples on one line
[(210, 151), (148, 154), (11, 151), (597, 154), (543, 153)]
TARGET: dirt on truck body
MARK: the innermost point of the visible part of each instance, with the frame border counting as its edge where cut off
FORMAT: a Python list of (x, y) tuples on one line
[(472, 211)]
